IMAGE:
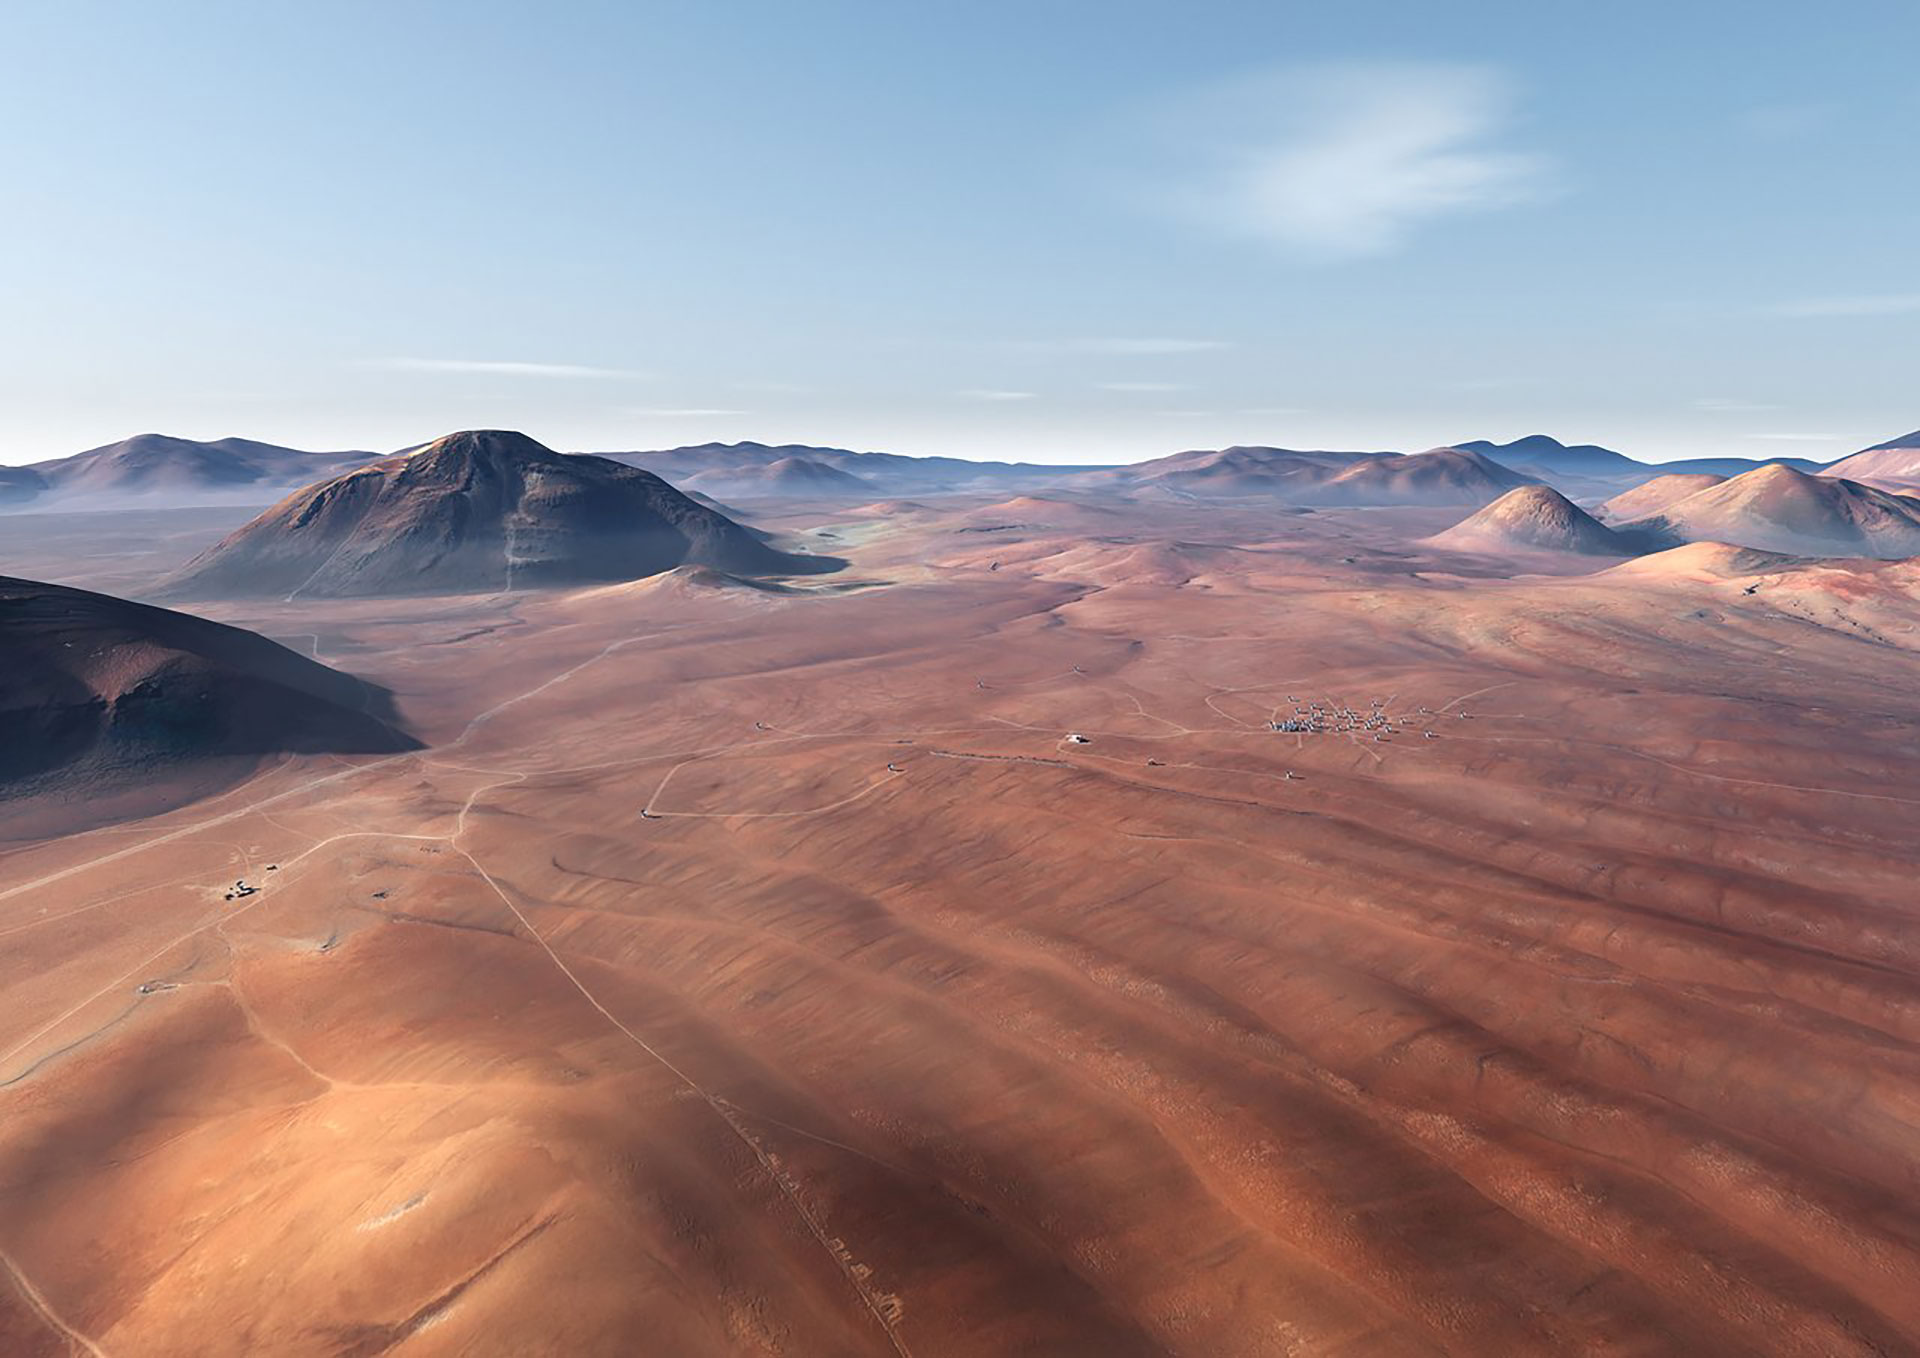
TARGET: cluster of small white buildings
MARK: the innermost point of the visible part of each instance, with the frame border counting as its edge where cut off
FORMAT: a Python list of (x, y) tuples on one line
[(1312, 718)]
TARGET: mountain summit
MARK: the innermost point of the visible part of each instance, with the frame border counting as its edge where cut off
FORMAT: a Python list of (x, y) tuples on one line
[(1896, 460), (1778, 509), (1439, 476), (1537, 519), (1547, 453), (480, 510)]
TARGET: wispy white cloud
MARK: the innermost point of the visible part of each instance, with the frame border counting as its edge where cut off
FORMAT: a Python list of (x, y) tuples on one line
[(1723, 406), (987, 394), (1146, 346), (775, 388), (1121, 346), (498, 368), (1868, 304), (1349, 160), (1485, 383), (1142, 386), (236, 397)]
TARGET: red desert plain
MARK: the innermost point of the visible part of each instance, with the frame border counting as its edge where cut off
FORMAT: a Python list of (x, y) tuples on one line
[(1084, 922)]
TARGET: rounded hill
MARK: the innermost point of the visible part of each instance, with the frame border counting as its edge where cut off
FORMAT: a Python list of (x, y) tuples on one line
[(478, 511)]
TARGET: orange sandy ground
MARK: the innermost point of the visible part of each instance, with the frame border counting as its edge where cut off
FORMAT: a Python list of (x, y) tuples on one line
[(1588, 1025)]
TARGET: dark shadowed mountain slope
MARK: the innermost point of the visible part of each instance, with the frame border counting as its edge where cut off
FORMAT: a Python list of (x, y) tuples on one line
[(1549, 454), (474, 511), (95, 688), (19, 485)]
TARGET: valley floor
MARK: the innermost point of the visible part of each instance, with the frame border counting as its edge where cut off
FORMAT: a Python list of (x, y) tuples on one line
[(749, 972)]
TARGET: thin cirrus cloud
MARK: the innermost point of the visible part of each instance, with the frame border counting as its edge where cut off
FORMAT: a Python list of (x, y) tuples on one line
[(1869, 304), (1147, 346), (498, 368), (1122, 346), (1349, 160)]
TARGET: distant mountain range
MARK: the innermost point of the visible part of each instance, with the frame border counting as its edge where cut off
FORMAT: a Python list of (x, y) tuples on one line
[(1772, 508), (1230, 471), (1356, 478), (156, 468), (790, 477), (1731, 466), (1441, 476), (1551, 458), (1551, 455), (736, 465)]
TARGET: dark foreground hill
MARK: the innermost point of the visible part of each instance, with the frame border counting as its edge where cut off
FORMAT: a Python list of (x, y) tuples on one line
[(98, 691), (476, 511)]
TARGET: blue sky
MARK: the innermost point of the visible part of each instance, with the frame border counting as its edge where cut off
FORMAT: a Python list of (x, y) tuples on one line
[(1051, 231)]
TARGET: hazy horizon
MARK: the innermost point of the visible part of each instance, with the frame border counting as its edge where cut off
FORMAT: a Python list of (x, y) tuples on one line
[(1087, 234), (390, 448)]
